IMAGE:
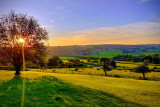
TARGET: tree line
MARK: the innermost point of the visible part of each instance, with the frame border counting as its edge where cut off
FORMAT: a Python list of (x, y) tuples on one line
[(152, 58)]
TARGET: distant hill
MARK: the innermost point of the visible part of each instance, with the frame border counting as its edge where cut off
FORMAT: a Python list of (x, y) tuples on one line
[(91, 49)]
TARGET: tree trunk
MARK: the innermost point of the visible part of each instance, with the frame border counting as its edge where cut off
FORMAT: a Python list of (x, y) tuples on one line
[(143, 75), (105, 73), (17, 72), (17, 68), (105, 66)]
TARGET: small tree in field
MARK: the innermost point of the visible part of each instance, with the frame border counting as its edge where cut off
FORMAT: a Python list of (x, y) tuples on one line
[(141, 69), (15, 26), (107, 64), (88, 60), (106, 67)]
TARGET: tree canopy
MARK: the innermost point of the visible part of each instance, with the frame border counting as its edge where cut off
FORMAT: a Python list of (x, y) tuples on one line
[(107, 64), (15, 26)]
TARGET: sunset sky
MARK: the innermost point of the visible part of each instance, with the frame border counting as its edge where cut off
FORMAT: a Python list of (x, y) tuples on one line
[(85, 22)]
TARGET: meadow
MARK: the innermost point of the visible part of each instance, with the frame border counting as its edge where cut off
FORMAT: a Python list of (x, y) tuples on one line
[(123, 70), (43, 89), (54, 89), (81, 86)]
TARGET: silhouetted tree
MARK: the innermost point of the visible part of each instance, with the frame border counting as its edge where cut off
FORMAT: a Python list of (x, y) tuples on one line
[(107, 64), (113, 64), (106, 67), (69, 65), (88, 60), (101, 60), (141, 69), (54, 61), (15, 26), (75, 63)]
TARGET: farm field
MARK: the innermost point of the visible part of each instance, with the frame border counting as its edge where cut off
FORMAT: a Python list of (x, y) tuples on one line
[(109, 54), (123, 70), (130, 64), (93, 71), (43, 89), (112, 54), (62, 58)]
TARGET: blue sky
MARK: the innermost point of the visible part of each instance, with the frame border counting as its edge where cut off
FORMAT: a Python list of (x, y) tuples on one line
[(83, 22)]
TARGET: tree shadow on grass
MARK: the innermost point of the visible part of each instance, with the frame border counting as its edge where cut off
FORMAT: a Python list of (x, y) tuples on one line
[(11, 92), (49, 91)]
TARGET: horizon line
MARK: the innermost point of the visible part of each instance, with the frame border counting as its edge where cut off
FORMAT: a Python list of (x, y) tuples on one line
[(100, 44)]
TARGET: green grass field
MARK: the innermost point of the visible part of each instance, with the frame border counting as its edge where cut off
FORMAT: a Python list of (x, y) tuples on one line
[(44, 90), (112, 54), (85, 87), (123, 70), (109, 54), (62, 58), (139, 91)]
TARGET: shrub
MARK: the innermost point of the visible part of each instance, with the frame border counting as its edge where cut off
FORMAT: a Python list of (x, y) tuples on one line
[(155, 68), (54, 61), (76, 69)]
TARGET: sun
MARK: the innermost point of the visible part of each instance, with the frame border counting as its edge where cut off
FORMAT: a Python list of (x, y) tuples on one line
[(21, 40)]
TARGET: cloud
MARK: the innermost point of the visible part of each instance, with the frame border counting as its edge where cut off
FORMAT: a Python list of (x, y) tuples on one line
[(73, 40), (138, 33), (46, 26)]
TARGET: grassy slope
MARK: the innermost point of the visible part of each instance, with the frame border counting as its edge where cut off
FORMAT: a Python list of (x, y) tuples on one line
[(42, 91), (109, 54), (139, 91)]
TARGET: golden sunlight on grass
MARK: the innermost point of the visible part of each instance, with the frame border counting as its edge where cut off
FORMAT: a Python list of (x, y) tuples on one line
[(5, 76), (139, 91), (31, 75), (94, 71)]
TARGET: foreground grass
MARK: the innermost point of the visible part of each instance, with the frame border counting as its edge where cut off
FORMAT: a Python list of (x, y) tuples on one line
[(141, 92), (45, 90)]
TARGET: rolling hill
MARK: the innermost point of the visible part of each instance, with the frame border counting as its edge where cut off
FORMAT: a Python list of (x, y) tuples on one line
[(64, 51)]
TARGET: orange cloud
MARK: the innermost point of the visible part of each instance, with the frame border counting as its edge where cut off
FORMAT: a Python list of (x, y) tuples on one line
[(73, 40), (138, 33)]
